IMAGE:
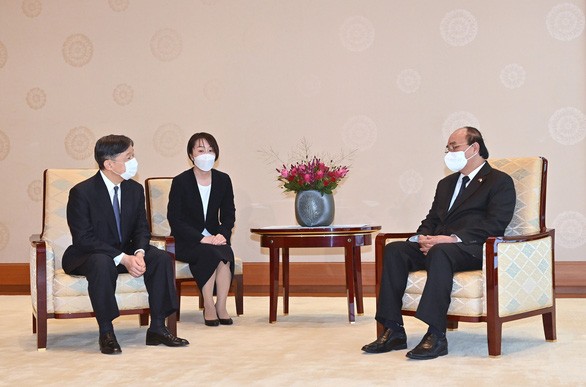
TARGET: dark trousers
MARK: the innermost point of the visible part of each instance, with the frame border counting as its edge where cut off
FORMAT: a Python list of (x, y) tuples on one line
[(441, 262), (101, 273)]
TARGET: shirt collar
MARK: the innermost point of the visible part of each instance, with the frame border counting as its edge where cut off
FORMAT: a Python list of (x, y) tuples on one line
[(107, 181), (474, 172)]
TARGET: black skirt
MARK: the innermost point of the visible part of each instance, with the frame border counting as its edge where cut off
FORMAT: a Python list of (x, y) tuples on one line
[(204, 260)]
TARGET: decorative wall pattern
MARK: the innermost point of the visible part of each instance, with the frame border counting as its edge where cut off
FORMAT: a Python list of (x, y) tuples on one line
[(388, 79)]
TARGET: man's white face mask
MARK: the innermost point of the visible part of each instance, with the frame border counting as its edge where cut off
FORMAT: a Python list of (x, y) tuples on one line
[(455, 161), (131, 169)]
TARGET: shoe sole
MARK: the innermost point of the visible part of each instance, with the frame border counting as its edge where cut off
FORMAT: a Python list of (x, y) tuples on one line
[(417, 357), (385, 350), (156, 342)]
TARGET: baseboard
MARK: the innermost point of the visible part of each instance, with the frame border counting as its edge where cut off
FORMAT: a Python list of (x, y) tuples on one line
[(306, 279)]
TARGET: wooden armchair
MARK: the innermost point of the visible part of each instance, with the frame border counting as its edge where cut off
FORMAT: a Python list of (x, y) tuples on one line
[(517, 279), (157, 197), (59, 295)]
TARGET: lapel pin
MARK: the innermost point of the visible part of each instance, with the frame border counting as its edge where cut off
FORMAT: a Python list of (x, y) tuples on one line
[(480, 180)]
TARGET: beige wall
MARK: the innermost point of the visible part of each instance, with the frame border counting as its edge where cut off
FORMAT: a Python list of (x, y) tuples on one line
[(389, 78)]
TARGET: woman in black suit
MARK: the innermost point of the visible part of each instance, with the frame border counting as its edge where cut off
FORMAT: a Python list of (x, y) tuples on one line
[(201, 214)]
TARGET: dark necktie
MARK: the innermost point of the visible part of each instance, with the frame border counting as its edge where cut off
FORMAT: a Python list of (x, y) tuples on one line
[(465, 180), (116, 206)]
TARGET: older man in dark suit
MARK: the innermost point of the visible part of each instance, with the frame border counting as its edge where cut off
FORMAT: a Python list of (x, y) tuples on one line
[(107, 218), (469, 205)]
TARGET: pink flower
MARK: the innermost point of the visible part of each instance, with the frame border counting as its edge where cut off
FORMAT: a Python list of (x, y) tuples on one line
[(284, 172)]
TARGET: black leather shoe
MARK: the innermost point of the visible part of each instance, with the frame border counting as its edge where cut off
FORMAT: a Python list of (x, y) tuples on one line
[(430, 347), (167, 338), (226, 321), (109, 345), (388, 341), (210, 323)]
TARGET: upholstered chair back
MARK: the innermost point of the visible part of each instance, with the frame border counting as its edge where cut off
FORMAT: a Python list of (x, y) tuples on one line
[(526, 174), (158, 197), (58, 182)]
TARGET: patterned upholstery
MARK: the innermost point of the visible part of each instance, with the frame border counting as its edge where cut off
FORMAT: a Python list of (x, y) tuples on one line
[(158, 193), (66, 293), (525, 272)]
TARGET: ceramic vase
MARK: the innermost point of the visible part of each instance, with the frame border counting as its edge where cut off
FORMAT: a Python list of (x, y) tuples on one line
[(313, 209)]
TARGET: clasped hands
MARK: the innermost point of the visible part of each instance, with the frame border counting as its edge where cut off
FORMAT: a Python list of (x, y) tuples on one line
[(134, 264), (217, 239), (426, 242)]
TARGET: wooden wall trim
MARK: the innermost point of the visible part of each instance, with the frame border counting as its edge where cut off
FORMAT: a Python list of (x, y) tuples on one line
[(307, 279)]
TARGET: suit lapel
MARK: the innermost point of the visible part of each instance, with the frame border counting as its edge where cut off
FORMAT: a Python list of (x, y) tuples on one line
[(102, 197), (472, 187), (197, 198)]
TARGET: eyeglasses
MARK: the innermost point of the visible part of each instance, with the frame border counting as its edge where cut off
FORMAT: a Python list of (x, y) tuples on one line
[(453, 147)]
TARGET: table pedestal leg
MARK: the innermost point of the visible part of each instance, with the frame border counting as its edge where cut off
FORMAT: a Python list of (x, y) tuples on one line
[(349, 261), (358, 281), (273, 284), (285, 255)]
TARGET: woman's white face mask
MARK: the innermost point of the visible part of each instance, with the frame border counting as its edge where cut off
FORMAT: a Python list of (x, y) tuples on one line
[(205, 162), (455, 161)]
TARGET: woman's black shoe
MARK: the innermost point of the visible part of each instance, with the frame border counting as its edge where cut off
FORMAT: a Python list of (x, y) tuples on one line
[(210, 323), (226, 321)]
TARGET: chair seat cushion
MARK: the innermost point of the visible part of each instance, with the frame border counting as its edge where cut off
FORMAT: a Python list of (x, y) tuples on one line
[(467, 292), (71, 293)]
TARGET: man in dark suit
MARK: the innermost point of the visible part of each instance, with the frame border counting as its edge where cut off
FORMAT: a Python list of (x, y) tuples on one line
[(469, 206), (107, 218)]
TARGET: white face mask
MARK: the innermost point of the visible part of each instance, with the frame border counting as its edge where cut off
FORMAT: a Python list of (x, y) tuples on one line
[(455, 161), (205, 162), (131, 169)]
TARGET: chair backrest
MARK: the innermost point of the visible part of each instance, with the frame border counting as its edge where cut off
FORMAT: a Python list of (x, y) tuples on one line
[(56, 186), (157, 196), (530, 177)]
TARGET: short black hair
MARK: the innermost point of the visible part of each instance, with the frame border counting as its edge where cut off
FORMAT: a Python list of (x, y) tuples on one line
[(110, 146), (473, 135), (206, 136)]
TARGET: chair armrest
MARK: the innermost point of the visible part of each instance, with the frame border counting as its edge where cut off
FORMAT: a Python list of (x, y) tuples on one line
[(167, 241), (379, 246), (518, 258), (38, 272)]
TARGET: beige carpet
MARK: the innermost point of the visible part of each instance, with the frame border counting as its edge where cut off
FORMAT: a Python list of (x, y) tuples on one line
[(313, 345)]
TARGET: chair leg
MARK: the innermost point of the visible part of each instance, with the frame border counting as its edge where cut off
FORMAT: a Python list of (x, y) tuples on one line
[(41, 329), (200, 301), (34, 324), (172, 323), (494, 332), (239, 294), (143, 319), (379, 329), (549, 325), (178, 287)]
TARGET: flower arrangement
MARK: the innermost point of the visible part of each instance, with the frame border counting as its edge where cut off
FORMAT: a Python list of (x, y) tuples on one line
[(311, 174)]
